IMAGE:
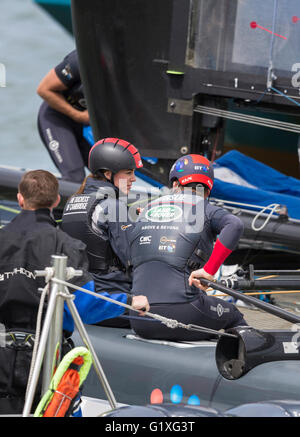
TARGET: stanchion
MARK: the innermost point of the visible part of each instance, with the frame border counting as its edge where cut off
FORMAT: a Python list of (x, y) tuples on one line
[(52, 333)]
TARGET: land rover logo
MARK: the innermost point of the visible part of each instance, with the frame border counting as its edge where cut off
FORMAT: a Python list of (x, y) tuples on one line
[(164, 213)]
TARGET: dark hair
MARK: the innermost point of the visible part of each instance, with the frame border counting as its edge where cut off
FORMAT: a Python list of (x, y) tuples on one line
[(99, 176), (193, 185), (39, 188)]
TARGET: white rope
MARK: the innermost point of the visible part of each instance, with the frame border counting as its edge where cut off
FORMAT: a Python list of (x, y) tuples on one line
[(170, 323), (45, 290), (275, 207), (231, 202)]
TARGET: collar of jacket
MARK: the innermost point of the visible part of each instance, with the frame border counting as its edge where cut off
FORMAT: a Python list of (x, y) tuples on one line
[(92, 185), (27, 218)]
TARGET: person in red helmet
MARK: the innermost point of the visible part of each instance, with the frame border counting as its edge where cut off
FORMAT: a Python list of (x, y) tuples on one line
[(172, 247), (97, 215)]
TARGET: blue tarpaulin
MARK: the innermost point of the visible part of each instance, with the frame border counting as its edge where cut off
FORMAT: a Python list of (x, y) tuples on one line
[(239, 178)]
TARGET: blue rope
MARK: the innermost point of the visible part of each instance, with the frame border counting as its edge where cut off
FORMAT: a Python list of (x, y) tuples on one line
[(283, 95), (262, 96), (140, 318)]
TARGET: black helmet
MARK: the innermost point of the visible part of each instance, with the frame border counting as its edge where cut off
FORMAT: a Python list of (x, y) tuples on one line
[(193, 168), (113, 154)]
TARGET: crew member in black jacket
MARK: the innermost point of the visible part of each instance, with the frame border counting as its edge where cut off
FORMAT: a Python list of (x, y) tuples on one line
[(27, 244)]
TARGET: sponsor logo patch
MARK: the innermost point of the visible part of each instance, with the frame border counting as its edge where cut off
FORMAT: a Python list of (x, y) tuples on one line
[(164, 213), (167, 244), (219, 309), (169, 248), (145, 239)]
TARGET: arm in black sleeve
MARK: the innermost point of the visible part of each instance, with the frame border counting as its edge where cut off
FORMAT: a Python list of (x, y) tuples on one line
[(229, 229)]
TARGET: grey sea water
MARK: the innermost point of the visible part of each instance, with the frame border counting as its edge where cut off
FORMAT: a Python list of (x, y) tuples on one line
[(31, 43)]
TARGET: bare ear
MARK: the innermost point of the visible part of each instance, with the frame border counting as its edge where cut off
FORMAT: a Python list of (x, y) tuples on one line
[(20, 199), (206, 193), (108, 174), (56, 203), (175, 183)]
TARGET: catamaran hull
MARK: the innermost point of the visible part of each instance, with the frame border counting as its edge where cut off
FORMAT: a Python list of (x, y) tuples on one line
[(145, 372)]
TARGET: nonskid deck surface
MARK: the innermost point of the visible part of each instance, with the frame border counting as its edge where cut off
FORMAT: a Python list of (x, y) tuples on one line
[(260, 319)]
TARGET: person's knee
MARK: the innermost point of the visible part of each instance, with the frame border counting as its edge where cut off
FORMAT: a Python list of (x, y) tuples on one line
[(238, 319)]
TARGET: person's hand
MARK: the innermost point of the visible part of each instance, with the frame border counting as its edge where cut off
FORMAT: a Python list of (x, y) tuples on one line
[(82, 117), (140, 303), (195, 276)]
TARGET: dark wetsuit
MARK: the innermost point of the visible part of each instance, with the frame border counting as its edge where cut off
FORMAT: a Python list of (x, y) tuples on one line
[(61, 135), (174, 236), (99, 218)]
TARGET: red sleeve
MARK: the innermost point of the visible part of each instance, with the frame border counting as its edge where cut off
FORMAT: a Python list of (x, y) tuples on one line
[(218, 256)]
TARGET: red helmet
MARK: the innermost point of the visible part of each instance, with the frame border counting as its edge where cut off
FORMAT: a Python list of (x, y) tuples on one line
[(113, 154), (193, 168)]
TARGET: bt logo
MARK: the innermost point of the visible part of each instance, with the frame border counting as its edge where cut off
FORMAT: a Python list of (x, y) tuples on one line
[(202, 168)]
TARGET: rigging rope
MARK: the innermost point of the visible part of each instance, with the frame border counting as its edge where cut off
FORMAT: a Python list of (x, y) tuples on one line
[(37, 335), (170, 323), (275, 207)]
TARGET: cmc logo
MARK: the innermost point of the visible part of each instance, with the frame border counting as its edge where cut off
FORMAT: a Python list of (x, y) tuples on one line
[(145, 239)]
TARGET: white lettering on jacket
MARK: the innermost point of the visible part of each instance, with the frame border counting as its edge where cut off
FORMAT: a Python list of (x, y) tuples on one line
[(20, 270)]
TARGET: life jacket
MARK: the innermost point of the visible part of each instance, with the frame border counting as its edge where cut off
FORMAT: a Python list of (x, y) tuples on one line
[(173, 229), (77, 222)]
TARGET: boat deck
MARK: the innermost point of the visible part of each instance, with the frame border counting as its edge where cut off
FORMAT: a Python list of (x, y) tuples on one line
[(261, 320)]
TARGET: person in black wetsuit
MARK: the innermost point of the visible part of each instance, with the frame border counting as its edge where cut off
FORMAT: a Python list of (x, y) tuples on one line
[(97, 214), (174, 236), (62, 117), (27, 244)]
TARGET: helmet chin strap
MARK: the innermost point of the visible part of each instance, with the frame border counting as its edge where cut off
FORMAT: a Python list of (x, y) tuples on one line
[(111, 180)]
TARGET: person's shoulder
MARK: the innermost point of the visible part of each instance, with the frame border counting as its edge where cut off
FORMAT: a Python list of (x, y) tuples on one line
[(215, 210), (71, 242), (7, 233), (68, 69), (70, 57)]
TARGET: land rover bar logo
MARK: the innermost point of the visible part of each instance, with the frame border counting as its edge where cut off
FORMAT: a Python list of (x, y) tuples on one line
[(164, 213)]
